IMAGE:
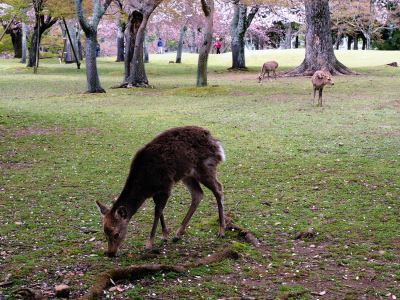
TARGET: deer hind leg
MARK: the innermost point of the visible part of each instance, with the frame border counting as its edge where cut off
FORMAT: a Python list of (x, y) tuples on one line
[(165, 230), (160, 200), (209, 179), (313, 100), (274, 74), (197, 195)]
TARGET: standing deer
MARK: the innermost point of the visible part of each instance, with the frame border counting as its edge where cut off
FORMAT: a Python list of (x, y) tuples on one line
[(319, 80), (269, 66), (189, 154)]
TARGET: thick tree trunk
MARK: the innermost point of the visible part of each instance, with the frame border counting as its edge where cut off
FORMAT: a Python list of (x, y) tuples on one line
[(135, 73), (319, 48), (70, 33), (180, 44), (33, 49), (288, 36), (368, 40), (92, 76), (238, 31), (121, 41), (355, 46), (349, 42), (208, 9), (16, 38), (24, 46), (364, 41), (239, 25), (146, 48)]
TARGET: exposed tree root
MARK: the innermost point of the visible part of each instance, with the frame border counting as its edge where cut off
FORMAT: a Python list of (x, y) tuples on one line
[(30, 294), (128, 85), (245, 69), (304, 69), (98, 91), (393, 64), (140, 271), (247, 235)]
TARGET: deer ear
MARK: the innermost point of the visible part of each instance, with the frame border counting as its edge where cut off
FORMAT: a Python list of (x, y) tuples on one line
[(121, 212), (102, 208)]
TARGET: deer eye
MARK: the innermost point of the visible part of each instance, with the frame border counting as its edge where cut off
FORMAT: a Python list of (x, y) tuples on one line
[(116, 236)]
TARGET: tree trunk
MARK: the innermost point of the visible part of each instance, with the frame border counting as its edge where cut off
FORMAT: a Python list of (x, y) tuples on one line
[(121, 41), (288, 36), (368, 40), (70, 33), (319, 48), (349, 41), (239, 25), (338, 39), (193, 45), (208, 9), (23, 54), (297, 42), (364, 41), (16, 38), (135, 73), (33, 49), (180, 44), (355, 46), (146, 48), (92, 76)]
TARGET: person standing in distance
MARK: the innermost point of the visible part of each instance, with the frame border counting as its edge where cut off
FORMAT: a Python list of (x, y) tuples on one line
[(160, 45)]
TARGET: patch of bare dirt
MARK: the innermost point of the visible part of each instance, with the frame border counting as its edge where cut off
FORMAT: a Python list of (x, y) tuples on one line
[(36, 131), (88, 130), (15, 165)]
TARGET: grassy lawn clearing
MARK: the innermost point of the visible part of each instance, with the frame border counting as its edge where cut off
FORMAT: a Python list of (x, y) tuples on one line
[(290, 167)]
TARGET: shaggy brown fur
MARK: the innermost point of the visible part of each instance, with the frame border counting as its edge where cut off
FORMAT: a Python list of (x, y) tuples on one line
[(319, 80), (189, 154), (269, 66)]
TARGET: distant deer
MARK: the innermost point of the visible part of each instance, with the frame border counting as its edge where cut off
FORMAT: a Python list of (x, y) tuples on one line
[(269, 66), (319, 80), (189, 154)]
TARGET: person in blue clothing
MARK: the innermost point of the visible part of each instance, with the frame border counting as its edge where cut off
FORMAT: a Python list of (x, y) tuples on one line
[(160, 45), (97, 50)]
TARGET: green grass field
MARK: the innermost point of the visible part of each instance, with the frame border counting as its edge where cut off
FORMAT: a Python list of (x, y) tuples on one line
[(290, 166)]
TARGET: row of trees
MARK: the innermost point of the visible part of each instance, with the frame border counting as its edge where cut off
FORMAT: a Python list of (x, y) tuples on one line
[(246, 18)]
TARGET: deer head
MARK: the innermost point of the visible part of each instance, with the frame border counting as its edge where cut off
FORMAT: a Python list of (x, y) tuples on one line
[(115, 225)]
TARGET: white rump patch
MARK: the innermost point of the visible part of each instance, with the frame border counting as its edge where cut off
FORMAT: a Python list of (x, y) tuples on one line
[(221, 151)]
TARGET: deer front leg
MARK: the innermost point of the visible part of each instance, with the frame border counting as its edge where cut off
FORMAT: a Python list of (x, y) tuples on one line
[(315, 91), (320, 98)]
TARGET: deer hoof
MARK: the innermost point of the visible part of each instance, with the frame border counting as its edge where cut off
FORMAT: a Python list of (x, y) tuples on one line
[(176, 239)]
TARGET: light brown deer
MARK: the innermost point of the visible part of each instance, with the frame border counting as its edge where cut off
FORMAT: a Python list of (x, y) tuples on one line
[(319, 80), (189, 154), (269, 66)]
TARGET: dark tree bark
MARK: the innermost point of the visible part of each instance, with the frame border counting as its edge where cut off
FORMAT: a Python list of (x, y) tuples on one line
[(45, 23), (355, 46), (146, 48), (364, 40), (297, 42), (349, 42), (239, 25), (121, 41), (180, 44), (208, 9), (139, 13), (319, 47), (14, 29), (90, 30)]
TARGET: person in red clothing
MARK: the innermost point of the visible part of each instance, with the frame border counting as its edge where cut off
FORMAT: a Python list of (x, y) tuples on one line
[(218, 46)]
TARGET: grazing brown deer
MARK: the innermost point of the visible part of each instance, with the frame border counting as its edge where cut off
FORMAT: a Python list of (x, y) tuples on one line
[(319, 80), (269, 66), (189, 154)]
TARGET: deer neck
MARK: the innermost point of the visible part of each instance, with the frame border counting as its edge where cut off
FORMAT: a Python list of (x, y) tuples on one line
[(132, 200)]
